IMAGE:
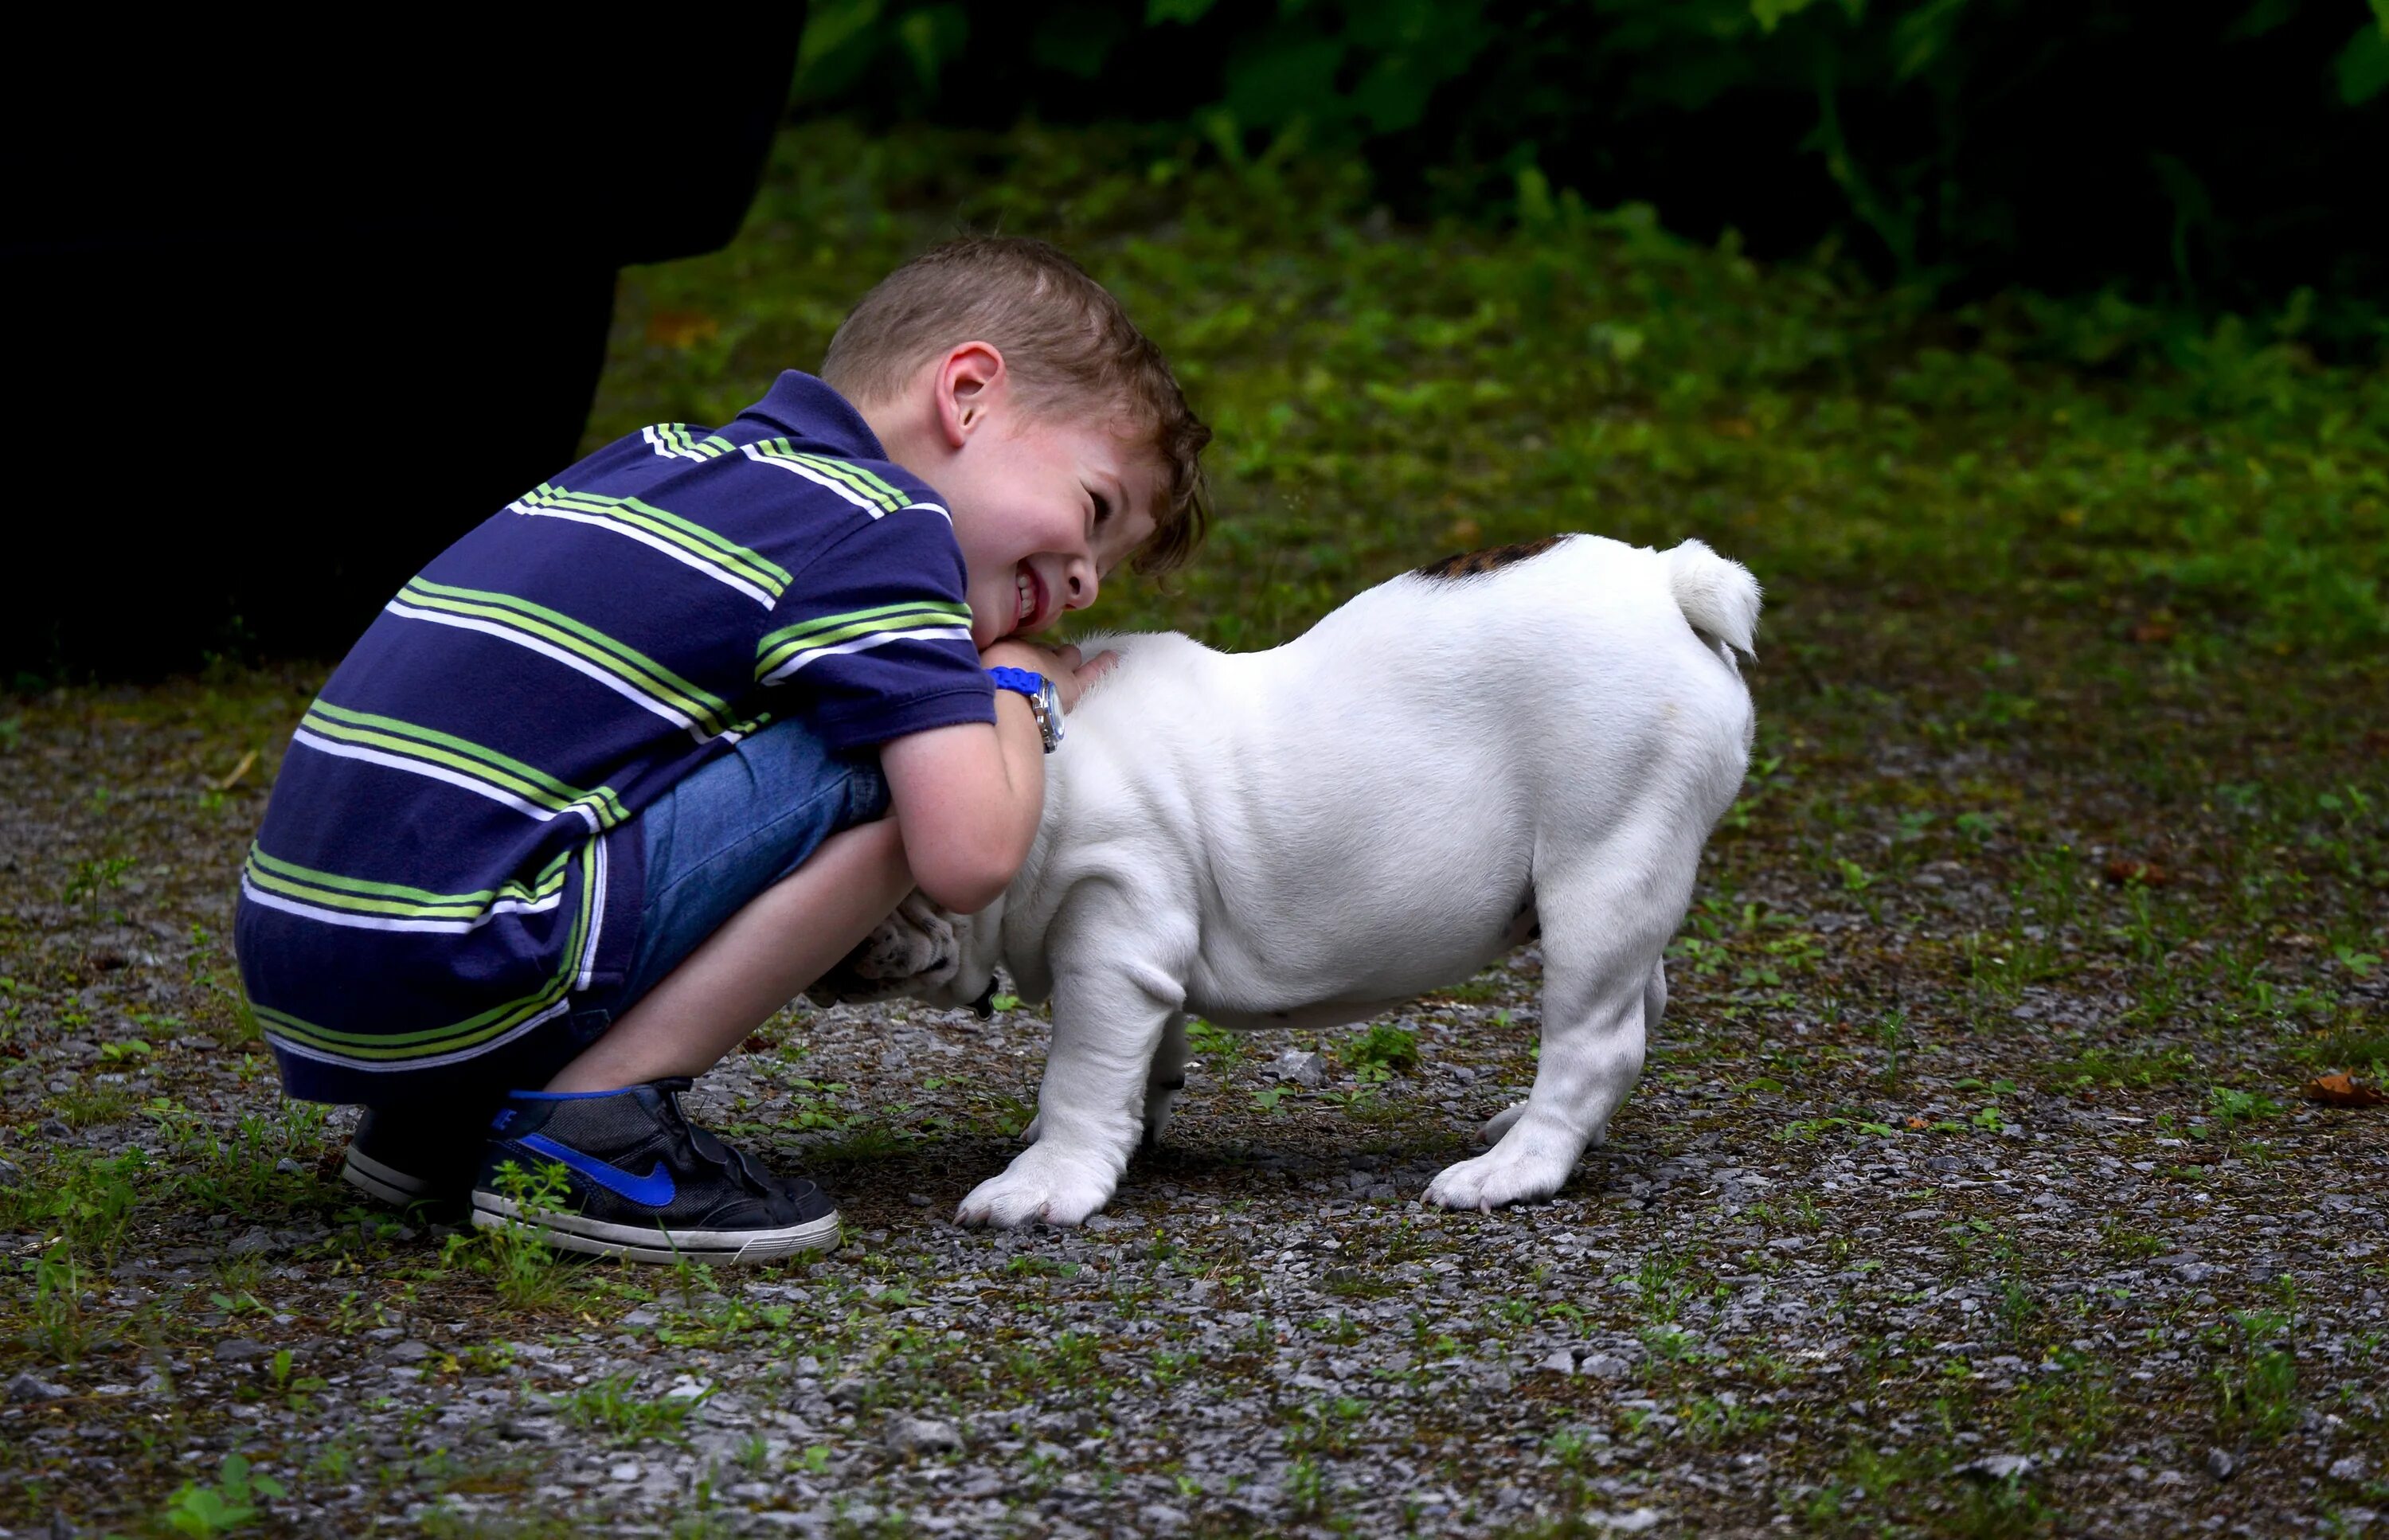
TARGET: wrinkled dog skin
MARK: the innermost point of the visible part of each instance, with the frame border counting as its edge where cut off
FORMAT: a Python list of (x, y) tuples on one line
[(1540, 735)]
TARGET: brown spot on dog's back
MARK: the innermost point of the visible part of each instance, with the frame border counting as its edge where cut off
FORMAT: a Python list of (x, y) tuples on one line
[(1471, 563)]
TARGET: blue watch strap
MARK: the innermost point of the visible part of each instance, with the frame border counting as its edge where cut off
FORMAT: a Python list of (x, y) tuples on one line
[(1020, 681)]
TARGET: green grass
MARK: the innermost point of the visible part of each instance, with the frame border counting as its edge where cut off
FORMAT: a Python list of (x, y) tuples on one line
[(1384, 396)]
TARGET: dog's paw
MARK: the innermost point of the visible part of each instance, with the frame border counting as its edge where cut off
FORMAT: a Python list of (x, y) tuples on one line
[(1498, 1124), (1497, 1178), (1039, 1186)]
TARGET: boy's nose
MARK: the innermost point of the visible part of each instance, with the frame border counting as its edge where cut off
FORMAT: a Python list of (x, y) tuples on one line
[(1081, 582)]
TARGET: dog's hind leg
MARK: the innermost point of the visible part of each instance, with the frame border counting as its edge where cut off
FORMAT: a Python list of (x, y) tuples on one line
[(1655, 1006), (1605, 924), (1165, 1080)]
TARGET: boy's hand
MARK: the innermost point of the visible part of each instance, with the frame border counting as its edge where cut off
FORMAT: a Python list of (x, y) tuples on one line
[(1070, 673)]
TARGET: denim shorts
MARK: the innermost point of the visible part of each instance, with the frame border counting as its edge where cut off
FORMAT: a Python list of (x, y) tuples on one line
[(714, 842)]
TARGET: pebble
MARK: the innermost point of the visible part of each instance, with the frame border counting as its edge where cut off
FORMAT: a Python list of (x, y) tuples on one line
[(1308, 1070), (240, 1350), (2220, 1464), (922, 1435), (28, 1386)]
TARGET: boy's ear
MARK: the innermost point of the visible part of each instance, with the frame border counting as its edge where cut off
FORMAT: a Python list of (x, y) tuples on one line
[(971, 383)]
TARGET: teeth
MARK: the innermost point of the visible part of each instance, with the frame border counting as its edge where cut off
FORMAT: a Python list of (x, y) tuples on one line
[(1028, 599)]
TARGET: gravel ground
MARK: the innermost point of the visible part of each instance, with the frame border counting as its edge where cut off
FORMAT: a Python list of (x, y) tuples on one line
[(1970, 1189)]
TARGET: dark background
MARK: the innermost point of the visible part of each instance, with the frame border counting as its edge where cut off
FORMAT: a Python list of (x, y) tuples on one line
[(287, 322)]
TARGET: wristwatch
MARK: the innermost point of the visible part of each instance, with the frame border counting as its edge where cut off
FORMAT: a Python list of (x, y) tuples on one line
[(1044, 700)]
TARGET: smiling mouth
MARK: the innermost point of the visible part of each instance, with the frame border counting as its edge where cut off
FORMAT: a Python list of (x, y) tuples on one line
[(1031, 594)]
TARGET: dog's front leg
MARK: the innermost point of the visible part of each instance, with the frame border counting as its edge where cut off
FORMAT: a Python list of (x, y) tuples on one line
[(1108, 1024)]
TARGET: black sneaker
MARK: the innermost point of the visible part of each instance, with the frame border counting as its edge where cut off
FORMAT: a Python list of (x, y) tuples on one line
[(640, 1182), (413, 1155)]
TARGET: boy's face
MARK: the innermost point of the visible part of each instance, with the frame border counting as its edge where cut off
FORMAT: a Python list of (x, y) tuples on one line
[(1045, 503), (1043, 513)]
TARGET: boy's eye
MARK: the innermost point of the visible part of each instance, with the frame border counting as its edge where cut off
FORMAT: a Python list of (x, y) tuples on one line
[(1103, 505)]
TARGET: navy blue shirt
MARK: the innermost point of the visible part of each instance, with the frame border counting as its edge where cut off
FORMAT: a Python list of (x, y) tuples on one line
[(445, 861)]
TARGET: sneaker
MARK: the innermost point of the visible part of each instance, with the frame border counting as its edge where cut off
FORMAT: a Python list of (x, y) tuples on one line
[(641, 1182), (413, 1155)]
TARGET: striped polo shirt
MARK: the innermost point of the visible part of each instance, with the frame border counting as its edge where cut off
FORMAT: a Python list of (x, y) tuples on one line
[(448, 857)]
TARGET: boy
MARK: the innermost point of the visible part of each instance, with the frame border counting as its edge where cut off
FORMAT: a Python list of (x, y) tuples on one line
[(630, 765)]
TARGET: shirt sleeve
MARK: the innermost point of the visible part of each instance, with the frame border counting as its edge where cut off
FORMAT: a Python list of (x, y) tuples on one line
[(875, 636)]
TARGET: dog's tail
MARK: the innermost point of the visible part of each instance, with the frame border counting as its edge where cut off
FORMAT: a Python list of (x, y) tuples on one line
[(1719, 598)]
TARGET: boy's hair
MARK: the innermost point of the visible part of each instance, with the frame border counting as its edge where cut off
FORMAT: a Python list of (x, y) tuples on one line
[(1069, 345)]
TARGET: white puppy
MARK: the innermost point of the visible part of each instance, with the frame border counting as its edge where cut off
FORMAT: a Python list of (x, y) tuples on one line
[(1539, 734)]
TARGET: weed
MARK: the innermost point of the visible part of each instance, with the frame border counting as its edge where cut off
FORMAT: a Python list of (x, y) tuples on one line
[(512, 1254), (1384, 1049), (612, 1407), (227, 1505)]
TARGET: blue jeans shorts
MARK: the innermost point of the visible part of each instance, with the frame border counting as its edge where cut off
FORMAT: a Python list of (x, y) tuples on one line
[(718, 839)]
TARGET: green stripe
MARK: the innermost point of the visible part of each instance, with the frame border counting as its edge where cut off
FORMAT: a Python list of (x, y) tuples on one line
[(713, 446), (784, 646), (490, 1023), (843, 471), (549, 880), (692, 538), (486, 765), (946, 607), (624, 662)]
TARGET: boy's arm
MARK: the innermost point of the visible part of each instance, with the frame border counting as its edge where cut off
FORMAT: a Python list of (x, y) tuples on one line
[(968, 797)]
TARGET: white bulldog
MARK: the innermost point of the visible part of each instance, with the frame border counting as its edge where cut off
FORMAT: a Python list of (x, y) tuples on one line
[(1540, 734)]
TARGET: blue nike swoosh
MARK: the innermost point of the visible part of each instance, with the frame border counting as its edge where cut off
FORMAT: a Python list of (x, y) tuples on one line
[(655, 1189)]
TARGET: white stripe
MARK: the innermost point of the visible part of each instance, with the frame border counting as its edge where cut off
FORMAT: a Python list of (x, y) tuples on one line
[(840, 487), (438, 772), (931, 506), (400, 1066), (932, 633), (596, 915), (389, 922), (679, 553), (655, 441), (573, 661)]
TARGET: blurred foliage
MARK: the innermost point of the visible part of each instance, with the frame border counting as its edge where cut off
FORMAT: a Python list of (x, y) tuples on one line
[(1385, 394), (2217, 155)]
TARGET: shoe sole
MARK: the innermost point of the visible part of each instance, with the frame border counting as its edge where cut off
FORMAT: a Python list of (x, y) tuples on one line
[(596, 1238), (388, 1183)]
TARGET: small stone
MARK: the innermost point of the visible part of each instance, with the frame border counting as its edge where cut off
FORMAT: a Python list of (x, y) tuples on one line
[(2220, 1464), (61, 1526), (11, 1175), (240, 1350), (1606, 1365), (1632, 1522), (53, 1130), (2348, 1467), (1308, 1070), (528, 1430), (1161, 1516), (918, 1199), (253, 1241), (1561, 1362), (27, 1386), (1997, 1467), (410, 1352), (848, 1393), (921, 1435), (624, 1470), (646, 1315)]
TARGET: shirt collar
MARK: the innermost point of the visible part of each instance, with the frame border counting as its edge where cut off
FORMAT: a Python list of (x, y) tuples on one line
[(804, 407)]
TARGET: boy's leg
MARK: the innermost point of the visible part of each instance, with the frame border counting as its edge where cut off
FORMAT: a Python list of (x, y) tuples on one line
[(782, 940)]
